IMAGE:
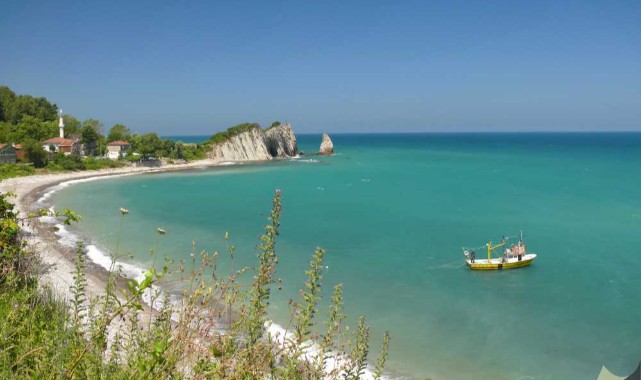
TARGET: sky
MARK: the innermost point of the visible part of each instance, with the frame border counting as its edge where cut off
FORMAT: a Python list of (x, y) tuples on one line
[(198, 67)]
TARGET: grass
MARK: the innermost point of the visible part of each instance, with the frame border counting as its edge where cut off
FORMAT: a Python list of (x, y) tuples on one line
[(15, 170), (114, 336)]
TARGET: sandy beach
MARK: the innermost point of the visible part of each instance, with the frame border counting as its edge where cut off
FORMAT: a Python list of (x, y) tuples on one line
[(58, 260)]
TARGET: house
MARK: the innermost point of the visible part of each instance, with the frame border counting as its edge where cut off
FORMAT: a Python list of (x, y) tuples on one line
[(7, 154), (117, 149), (20, 153), (59, 144)]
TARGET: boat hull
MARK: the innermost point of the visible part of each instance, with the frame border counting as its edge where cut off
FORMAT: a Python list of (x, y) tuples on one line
[(499, 264)]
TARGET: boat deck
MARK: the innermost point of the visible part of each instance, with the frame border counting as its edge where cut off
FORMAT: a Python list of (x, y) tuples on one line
[(500, 263)]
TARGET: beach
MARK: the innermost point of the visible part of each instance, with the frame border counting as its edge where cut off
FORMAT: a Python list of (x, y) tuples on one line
[(393, 213), (59, 261)]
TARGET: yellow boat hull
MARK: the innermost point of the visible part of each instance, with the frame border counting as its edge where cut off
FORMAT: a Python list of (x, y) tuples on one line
[(499, 264)]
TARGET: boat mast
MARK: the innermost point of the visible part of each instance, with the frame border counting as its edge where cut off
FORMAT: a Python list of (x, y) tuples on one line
[(490, 248)]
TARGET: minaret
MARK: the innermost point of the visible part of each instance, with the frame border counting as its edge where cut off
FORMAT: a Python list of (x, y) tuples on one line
[(61, 125)]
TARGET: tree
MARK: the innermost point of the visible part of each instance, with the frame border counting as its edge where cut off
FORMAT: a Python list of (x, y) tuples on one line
[(148, 145), (5, 132), (95, 124), (35, 153), (73, 126), (179, 151), (7, 98), (118, 132), (31, 127), (39, 108), (90, 139)]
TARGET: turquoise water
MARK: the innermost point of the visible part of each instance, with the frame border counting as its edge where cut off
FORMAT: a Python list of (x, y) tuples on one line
[(393, 212)]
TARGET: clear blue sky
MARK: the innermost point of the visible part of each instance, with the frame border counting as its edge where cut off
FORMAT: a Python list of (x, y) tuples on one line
[(196, 67)]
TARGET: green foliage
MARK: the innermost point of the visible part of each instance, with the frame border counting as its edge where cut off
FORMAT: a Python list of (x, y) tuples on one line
[(7, 98), (73, 126), (92, 163), (116, 336), (68, 162), (96, 125), (118, 132), (15, 170), (72, 162), (90, 139), (14, 107), (189, 152), (148, 145), (221, 137), (35, 153), (274, 124)]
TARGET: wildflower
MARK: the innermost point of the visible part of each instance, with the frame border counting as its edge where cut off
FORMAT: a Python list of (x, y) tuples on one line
[(124, 211), (161, 230)]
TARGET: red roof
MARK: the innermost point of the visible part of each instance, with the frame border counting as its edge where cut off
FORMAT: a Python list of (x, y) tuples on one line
[(60, 141), (118, 143)]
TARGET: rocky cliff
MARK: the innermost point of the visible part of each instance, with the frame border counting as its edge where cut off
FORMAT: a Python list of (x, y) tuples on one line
[(327, 146), (248, 142), (281, 141)]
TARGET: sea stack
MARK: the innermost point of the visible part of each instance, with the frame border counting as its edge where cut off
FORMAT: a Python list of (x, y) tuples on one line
[(326, 147)]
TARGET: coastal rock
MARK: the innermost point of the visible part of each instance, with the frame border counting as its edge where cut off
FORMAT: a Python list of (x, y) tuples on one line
[(281, 141), (254, 144), (327, 146)]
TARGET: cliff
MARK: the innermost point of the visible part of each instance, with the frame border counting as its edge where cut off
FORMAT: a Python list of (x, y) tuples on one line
[(248, 142), (281, 141), (327, 146)]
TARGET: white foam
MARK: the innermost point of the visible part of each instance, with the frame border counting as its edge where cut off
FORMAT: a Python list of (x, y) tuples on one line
[(65, 237), (154, 297), (50, 191), (311, 352)]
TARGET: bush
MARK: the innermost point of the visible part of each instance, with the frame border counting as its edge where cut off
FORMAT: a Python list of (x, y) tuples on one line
[(69, 162), (221, 137), (113, 336), (15, 170), (92, 163)]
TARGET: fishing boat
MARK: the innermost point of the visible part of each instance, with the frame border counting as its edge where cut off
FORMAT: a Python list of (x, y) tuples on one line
[(514, 256)]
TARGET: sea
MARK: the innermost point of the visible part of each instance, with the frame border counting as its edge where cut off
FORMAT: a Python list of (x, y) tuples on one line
[(393, 212)]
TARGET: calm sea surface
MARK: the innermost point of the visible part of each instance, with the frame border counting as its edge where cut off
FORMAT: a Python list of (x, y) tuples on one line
[(393, 212)]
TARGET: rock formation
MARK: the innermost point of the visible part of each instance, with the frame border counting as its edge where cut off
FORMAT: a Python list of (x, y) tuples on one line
[(281, 141), (327, 146), (251, 143)]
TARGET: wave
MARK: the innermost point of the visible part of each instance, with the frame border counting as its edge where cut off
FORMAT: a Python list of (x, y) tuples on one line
[(156, 296), (311, 351)]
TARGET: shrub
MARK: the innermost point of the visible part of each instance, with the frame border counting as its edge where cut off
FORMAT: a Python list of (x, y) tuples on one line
[(115, 336), (15, 170), (221, 137)]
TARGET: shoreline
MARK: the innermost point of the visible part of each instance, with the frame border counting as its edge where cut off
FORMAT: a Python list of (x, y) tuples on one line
[(58, 261)]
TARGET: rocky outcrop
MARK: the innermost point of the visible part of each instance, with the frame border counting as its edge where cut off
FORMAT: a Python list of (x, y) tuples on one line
[(250, 143), (281, 141), (327, 146)]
